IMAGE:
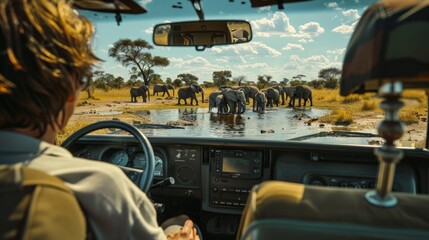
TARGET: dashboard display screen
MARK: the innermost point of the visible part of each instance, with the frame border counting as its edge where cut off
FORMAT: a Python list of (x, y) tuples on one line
[(235, 165)]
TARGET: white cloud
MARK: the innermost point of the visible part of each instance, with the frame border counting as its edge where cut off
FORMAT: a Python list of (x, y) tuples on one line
[(311, 29), (310, 40), (338, 51), (252, 48), (264, 9), (149, 30), (332, 5), (278, 24), (145, 2), (194, 62), (302, 41), (352, 14), (291, 46), (344, 28)]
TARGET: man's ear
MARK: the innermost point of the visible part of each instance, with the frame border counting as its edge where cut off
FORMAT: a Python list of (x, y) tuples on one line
[(72, 98)]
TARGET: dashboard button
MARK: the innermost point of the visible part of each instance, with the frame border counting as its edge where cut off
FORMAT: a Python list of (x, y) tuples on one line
[(223, 189), (235, 204), (222, 203), (244, 191), (237, 190), (215, 189), (229, 203)]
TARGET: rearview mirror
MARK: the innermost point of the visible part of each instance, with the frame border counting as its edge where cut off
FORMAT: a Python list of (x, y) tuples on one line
[(202, 33)]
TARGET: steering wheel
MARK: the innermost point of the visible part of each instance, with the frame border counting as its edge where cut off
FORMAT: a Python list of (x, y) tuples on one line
[(146, 177)]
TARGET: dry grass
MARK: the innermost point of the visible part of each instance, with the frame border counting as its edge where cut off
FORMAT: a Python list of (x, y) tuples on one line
[(69, 129), (368, 106), (409, 117), (351, 99)]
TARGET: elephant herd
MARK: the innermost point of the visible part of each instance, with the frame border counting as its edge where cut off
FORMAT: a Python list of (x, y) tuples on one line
[(230, 99), (234, 99), (183, 92)]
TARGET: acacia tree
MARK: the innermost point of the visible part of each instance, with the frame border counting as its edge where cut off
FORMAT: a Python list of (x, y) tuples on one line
[(134, 53), (330, 75), (188, 78), (239, 79), (221, 77), (263, 80)]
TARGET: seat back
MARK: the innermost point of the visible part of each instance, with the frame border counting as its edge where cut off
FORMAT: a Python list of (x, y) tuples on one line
[(285, 210), (35, 205)]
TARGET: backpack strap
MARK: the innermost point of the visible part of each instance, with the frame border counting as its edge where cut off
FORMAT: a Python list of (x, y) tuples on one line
[(36, 205)]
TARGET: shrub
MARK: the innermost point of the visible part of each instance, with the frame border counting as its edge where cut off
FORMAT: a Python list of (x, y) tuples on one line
[(368, 105), (343, 118), (351, 99)]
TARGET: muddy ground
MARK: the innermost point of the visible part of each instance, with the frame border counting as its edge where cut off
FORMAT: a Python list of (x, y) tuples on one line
[(95, 110)]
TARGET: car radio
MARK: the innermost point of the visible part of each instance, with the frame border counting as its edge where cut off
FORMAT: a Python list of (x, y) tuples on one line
[(232, 174), (238, 164)]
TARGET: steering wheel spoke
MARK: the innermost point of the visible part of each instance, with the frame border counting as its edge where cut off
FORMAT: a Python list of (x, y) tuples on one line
[(142, 177)]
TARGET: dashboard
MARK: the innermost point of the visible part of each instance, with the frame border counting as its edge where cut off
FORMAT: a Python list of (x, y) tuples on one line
[(213, 177)]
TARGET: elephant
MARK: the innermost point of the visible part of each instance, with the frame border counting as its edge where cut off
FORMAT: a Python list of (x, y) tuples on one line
[(162, 88), (222, 107), (212, 99), (289, 92), (190, 92), (281, 93), (272, 96), (141, 91), (302, 92), (235, 99), (259, 102)]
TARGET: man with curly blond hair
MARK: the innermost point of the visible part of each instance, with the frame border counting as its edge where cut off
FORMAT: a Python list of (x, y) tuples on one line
[(45, 56)]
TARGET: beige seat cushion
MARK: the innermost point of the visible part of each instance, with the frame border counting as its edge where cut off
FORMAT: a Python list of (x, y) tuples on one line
[(291, 201)]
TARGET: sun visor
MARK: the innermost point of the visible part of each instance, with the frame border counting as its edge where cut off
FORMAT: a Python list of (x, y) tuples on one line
[(390, 43), (110, 6)]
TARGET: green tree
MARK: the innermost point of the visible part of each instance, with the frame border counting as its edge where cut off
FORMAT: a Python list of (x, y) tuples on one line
[(330, 75), (177, 83), (239, 79), (156, 79), (317, 83), (102, 80), (297, 82), (221, 77), (298, 77), (117, 83), (169, 80), (134, 53), (207, 84), (263, 81), (284, 82), (188, 78), (331, 83)]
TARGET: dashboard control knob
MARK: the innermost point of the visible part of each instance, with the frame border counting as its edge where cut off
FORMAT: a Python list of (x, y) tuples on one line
[(185, 174)]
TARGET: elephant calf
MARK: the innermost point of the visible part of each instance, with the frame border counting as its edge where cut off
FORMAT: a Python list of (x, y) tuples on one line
[(212, 99), (259, 102)]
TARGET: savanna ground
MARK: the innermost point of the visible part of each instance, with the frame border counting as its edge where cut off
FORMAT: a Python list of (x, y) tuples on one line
[(351, 113)]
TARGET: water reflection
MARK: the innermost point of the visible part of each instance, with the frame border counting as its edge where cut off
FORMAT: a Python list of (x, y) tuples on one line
[(279, 121), (227, 122), (188, 114)]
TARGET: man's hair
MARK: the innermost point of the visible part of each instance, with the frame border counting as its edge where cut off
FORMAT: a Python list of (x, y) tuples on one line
[(44, 47)]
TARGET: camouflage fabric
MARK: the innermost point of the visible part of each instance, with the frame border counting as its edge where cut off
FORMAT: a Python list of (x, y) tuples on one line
[(390, 43)]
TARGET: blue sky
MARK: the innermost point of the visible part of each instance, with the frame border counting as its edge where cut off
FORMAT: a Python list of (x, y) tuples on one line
[(301, 39)]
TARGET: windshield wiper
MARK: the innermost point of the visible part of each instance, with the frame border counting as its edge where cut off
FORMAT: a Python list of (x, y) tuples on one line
[(157, 126), (334, 134), (148, 126)]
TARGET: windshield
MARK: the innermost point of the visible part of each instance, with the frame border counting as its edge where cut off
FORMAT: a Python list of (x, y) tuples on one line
[(301, 45)]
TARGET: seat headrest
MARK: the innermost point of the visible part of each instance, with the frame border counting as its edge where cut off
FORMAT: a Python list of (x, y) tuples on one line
[(390, 43)]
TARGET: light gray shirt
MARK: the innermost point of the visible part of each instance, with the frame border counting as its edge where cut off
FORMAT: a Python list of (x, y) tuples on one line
[(114, 206)]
